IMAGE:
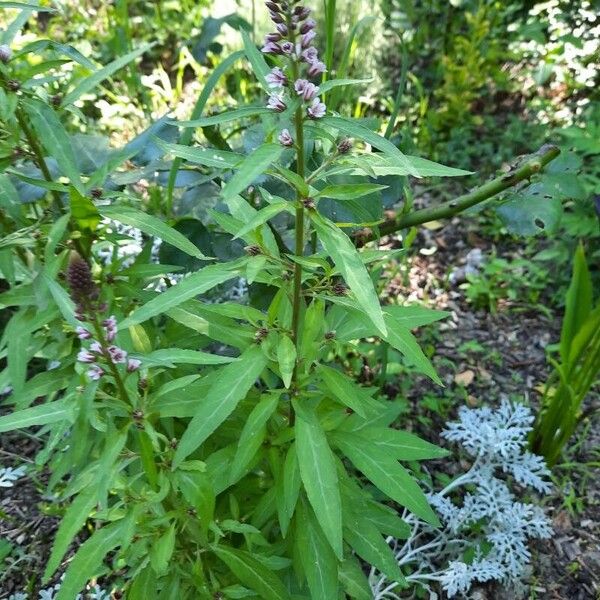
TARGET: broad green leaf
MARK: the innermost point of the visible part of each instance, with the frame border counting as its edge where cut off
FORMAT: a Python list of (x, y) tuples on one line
[(346, 258), (188, 288), (152, 226), (428, 168), (88, 558), (286, 357), (253, 434), (91, 81), (344, 389), (404, 341), (319, 476), (161, 551), (83, 211), (386, 520), (233, 384), (226, 117), (402, 445), (354, 581), (291, 177), (51, 133), (369, 544), (349, 191), (253, 165), (42, 414), (361, 132), (197, 489), (41, 385), (333, 83), (253, 573), (318, 560), (384, 471), (208, 157), (262, 216), (71, 523), (414, 316), (169, 357)]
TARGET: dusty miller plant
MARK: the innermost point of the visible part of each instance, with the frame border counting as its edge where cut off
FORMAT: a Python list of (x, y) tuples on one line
[(485, 529), (209, 449)]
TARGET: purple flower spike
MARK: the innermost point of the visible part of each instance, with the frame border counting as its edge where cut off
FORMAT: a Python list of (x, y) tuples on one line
[(285, 139), (133, 364), (301, 12), (85, 356), (307, 38), (310, 55), (95, 372), (276, 17), (316, 68), (306, 89), (82, 333), (117, 355), (272, 37), (307, 26), (282, 29), (276, 78), (276, 103), (271, 48), (317, 109)]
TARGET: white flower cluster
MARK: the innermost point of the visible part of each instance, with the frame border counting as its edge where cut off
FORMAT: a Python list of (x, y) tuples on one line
[(8, 476), (487, 520)]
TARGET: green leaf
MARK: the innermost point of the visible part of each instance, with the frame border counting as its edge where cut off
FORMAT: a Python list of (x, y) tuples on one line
[(188, 288), (72, 521), (88, 559), (414, 316), (152, 226), (319, 476), (253, 573), (83, 211), (333, 83), (219, 159), (344, 389), (286, 357), (355, 582), (169, 357), (346, 258), (262, 216), (253, 165), (197, 489), (161, 551), (42, 414), (291, 487), (9, 198), (226, 117), (90, 82), (253, 435), (386, 520), (349, 191), (234, 382), (387, 474), (257, 60), (51, 133), (401, 444), (318, 560), (361, 132), (25, 6)]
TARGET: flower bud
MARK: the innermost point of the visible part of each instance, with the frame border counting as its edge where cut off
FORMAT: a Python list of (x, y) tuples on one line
[(285, 138), (276, 103), (316, 68), (287, 48), (282, 29), (85, 356), (276, 17), (308, 203), (95, 372), (133, 364), (5, 53), (272, 6), (301, 12), (339, 289), (307, 26), (344, 146), (272, 37), (271, 48), (253, 250)]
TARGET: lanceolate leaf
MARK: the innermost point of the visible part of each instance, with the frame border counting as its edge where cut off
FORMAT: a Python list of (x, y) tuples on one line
[(286, 357), (219, 159), (253, 573), (385, 472), (43, 414), (54, 138), (354, 580), (90, 82), (226, 117), (349, 191), (169, 357), (150, 225), (333, 83), (221, 399), (318, 560), (346, 258), (343, 388), (191, 286), (319, 476), (91, 553), (197, 489), (262, 216), (401, 444), (257, 60), (253, 166)]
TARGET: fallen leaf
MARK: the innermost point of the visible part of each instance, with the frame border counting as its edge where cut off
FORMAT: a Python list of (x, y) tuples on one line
[(465, 378)]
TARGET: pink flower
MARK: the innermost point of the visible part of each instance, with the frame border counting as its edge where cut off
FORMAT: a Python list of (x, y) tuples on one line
[(95, 372), (276, 78), (96, 347), (310, 54), (133, 364), (306, 89), (316, 68), (307, 38), (307, 26), (285, 139), (82, 333), (287, 48), (271, 48), (276, 103), (117, 355), (317, 109), (85, 356)]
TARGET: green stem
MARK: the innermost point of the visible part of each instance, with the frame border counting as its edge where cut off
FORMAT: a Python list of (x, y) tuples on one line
[(446, 210)]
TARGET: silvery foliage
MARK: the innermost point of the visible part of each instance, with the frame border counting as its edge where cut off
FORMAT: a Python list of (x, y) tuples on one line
[(497, 441), (8, 475), (93, 593)]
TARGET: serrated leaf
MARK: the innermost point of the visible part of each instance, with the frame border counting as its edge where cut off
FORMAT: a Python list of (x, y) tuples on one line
[(188, 288), (319, 476), (387, 474), (286, 357), (91, 81), (253, 165), (43, 414), (253, 573), (52, 135), (234, 382), (346, 258), (152, 226)]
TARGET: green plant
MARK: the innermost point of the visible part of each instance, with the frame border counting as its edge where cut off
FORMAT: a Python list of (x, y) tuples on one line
[(576, 369), (218, 448)]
